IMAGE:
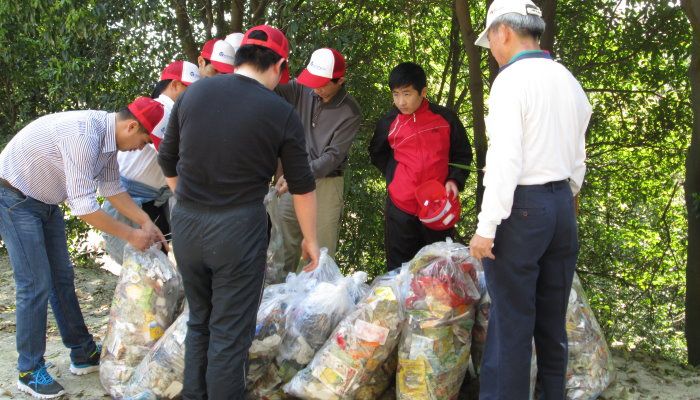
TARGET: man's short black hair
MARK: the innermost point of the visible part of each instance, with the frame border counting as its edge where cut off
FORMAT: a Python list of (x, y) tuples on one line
[(160, 87), (260, 57), (125, 114), (408, 73)]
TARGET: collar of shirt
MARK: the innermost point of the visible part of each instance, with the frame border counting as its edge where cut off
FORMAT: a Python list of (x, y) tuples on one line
[(526, 54), (110, 140), (166, 101), (336, 101)]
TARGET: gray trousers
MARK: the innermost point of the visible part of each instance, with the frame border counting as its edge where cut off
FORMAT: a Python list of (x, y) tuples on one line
[(221, 256), (329, 198)]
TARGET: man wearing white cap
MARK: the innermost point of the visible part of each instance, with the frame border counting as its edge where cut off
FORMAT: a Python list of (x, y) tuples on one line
[(527, 234), (216, 58), (331, 119), (65, 157), (234, 39), (139, 170)]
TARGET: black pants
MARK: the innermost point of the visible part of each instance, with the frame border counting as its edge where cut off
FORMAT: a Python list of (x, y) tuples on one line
[(221, 256), (404, 235), (529, 283)]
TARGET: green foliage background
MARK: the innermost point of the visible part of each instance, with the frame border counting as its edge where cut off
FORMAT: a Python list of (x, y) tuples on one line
[(631, 57)]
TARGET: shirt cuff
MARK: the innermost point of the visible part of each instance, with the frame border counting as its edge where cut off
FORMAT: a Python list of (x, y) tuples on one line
[(108, 189), (83, 205), (486, 229)]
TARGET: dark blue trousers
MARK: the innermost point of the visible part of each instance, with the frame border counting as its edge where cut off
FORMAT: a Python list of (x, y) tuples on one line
[(529, 283)]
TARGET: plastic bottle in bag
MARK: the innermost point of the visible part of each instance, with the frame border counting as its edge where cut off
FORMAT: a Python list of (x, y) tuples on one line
[(440, 300), (146, 299), (352, 358)]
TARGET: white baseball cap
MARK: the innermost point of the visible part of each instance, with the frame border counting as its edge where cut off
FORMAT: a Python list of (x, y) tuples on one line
[(220, 53), (325, 64), (502, 7), (183, 71), (234, 39)]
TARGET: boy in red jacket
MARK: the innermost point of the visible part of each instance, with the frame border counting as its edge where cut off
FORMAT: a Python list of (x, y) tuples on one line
[(412, 144)]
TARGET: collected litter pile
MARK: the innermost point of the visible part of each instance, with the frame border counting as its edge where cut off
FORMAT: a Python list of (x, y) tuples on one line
[(440, 305), (350, 364), (324, 336), (146, 301), (590, 368), (161, 372)]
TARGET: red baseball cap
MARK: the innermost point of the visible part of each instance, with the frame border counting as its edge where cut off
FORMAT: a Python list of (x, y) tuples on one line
[(220, 54), (148, 112), (183, 71), (276, 41), (325, 64)]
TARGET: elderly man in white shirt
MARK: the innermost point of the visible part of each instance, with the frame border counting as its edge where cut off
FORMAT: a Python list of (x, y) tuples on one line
[(65, 157), (527, 234)]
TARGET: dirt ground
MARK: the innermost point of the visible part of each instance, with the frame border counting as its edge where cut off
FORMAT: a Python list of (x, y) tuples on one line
[(638, 376)]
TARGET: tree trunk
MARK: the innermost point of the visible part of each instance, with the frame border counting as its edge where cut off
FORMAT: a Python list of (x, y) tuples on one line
[(549, 10), (184, 30), (258, 8), (208, 18), (237, 7), (456, 60), (221, 27), (692, 193), (476, 89)]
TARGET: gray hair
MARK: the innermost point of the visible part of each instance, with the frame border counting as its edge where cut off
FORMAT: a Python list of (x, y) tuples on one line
[(523, 25)]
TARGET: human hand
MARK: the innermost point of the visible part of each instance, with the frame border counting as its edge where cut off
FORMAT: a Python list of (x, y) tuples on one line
[(140, 239), (281, 186), (451, 189), (310, 251), (480, 247), (156, 235)]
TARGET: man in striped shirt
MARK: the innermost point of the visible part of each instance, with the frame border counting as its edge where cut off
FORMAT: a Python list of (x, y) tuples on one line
[(67, 156)]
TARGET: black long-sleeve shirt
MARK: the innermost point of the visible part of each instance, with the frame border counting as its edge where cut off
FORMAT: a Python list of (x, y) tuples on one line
[(223, 140)]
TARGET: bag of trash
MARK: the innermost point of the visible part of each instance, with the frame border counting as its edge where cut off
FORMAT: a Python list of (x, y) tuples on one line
[(160, 374), (145, 303), (263, 379), (360, 345), (311, 319), (274, 272), (440, 305), (590, 369)]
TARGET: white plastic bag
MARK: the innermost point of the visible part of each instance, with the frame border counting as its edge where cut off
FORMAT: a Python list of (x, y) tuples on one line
[(160, 374), (274, 272), (145, 303), (440, 303), (352, 359)]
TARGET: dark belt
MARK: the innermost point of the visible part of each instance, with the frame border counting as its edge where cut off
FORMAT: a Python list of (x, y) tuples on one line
[(8, 186)]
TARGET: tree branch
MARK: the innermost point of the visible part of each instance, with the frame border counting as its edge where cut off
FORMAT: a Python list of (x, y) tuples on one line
[(184, 30)]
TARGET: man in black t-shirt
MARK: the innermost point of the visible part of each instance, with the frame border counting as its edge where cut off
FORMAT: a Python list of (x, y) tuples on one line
[(218, 155)]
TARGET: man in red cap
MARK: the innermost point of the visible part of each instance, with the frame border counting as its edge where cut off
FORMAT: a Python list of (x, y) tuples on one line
[(65, 157), (216, 58), (140, 173), (331, 119), (220, 150)]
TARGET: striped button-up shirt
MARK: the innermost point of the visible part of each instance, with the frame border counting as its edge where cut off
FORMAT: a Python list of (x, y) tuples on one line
[(66, 156)]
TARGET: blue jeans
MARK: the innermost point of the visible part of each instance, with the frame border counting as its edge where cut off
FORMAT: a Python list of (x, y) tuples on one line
[(35, 237)]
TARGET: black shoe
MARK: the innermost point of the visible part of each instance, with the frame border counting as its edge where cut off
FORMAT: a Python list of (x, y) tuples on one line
[(91, 365), (40, 384)]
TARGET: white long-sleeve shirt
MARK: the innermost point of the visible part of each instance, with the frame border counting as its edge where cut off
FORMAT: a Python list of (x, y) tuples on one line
[(536, 125), (142, 165), (66, 156)]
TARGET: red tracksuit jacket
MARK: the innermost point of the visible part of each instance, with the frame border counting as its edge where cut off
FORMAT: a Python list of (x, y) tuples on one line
[(412, 149)]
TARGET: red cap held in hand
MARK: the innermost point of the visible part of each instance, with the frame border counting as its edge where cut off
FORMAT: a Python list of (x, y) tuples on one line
[(437, 211)]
